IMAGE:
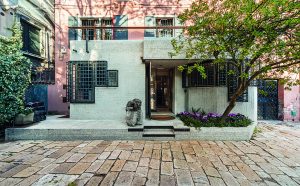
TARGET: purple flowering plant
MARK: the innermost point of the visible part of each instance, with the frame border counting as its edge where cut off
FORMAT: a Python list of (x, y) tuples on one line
[(196, 119)]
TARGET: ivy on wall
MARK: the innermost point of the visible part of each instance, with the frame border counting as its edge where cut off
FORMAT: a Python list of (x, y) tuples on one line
[(15, 73)]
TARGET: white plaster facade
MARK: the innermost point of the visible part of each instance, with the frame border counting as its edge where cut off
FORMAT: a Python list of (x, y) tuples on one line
[(127, 57)]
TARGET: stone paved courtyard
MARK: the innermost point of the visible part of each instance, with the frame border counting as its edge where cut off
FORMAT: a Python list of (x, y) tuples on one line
[(271, 158)]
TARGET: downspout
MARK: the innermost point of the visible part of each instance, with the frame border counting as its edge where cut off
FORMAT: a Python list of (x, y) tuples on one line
[(186, 99), (86, 41)]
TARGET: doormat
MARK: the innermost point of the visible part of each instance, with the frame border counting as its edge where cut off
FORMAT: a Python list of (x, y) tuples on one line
[(162, 117)]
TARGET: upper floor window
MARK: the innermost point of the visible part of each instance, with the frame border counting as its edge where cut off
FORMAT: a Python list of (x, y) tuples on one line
[(94, 33), (166, 32), (31, 38)]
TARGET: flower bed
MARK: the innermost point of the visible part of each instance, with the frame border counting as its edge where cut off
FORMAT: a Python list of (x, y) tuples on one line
[(196, 119)]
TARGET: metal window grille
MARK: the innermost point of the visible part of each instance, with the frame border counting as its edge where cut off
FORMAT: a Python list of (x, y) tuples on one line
[(232, 85), (195, 79), (113, 78), (165, 32), (106, 34), (84, 76), (101, 74), (91, 33), (221, 75)]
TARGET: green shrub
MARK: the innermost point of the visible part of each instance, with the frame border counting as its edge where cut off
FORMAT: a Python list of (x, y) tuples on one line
[(15, 71), (197, 120)]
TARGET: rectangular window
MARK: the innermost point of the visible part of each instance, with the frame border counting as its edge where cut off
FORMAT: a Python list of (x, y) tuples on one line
[(31, 38), (166, 32), (84, 76), (216, 76), (91, 33), (113, 78), (94, 33)]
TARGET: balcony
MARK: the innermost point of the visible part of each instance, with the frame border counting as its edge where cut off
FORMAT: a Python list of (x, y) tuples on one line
[(123, 33)]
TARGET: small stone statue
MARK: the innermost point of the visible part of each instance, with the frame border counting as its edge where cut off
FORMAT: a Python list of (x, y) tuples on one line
[(134, 115)]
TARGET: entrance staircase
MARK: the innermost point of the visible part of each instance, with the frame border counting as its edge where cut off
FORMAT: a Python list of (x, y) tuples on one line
[(165, 131)]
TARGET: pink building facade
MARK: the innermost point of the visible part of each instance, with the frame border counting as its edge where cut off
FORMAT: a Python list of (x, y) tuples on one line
[(136, 13)]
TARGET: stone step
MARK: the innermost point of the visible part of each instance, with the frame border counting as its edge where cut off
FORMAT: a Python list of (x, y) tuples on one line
[(158, 133)]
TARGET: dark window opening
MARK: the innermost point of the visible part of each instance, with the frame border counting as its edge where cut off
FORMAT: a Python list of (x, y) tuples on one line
[(84, 76), (31, 38), (216, 76)]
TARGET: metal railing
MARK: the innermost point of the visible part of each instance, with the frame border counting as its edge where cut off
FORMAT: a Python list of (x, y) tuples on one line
[(121, 33), (46, 76)]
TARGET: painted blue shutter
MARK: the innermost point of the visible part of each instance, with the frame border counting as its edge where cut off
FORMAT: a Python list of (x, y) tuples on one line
[(149, 21), (121, 21), (73, 33)]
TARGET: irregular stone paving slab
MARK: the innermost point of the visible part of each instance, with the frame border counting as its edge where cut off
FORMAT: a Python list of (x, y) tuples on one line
[(95, 166), (153, 177), (167, 180), (248, 172), (104, 169), (216, 181), (124, 155), (89, 158), (63, 168), (13, 171), (48, 169), (75, 158), (228, 178), (95, 180), (56, 179), (156, 154), (79, 168), (284, 180), (167, 168), (124, 178), (183, 177), (138, 181), (118, 165), (130, 166), (10, 181), (154, 164), (142, 171), (109, 179), (27, 172), (83, 179), (30, 180), (200, 178)]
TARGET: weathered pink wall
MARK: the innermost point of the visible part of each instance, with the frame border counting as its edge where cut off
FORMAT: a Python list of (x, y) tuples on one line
[(136, 11), (292, 99)]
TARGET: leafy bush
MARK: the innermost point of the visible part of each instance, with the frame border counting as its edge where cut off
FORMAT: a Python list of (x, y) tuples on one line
[(195, 119), (15, 71)]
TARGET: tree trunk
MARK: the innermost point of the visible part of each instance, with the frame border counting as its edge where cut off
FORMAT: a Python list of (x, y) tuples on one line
[(232, 102)]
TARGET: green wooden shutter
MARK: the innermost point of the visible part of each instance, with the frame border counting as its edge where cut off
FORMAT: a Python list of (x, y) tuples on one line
[(121, 21), (73, 33), (149, 21)]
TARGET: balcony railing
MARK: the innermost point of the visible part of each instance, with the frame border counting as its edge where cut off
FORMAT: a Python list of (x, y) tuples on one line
[(46, 76), (121, 33)]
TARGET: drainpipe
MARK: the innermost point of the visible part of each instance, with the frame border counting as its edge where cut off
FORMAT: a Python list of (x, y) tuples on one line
[(186, 99), (86, 41)]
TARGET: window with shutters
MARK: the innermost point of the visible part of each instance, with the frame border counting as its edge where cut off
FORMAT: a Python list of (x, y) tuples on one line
[(31, 38)]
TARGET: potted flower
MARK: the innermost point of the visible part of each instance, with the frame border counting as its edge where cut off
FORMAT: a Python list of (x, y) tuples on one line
[(25, 117)]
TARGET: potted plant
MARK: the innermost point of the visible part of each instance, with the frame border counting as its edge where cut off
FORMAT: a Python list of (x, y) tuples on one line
[(25, 117)]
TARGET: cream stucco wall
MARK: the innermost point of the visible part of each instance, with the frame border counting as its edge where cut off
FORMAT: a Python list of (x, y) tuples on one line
[(125, 56), (110, 102)]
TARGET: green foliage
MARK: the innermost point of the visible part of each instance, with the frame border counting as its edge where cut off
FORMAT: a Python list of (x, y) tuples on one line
[(198, 110), (259, 38), (15, 72), (215, 122)]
